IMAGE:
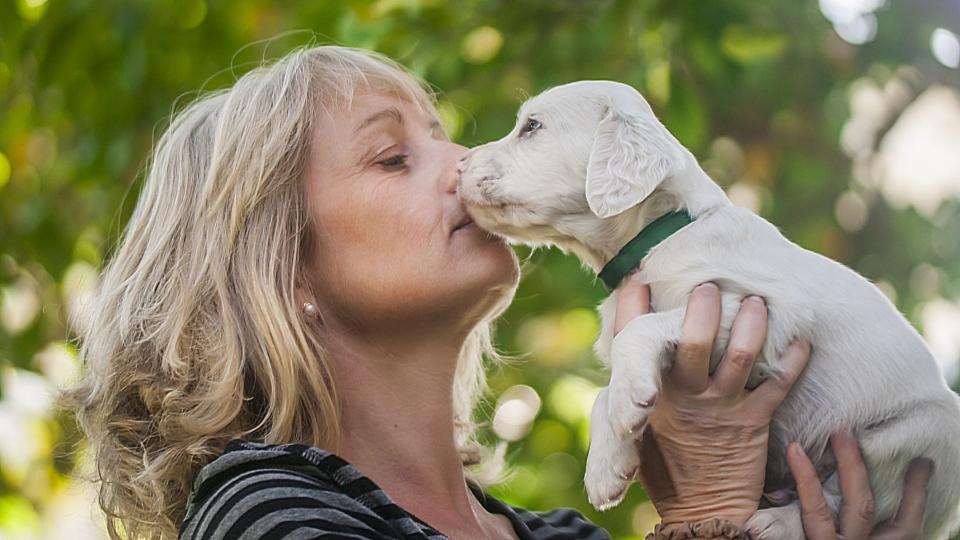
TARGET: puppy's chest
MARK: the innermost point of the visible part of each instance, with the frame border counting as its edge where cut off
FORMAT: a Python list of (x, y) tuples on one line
[(670, 281), (731, 251)]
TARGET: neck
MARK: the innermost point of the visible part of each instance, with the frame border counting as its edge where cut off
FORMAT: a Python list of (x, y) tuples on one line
[(691, 190), (397, 425)]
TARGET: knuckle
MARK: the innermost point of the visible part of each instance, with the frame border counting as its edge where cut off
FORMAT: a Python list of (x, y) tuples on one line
[(861, 510), (818, 510), (693, 348), (740, 356), (817, 521)]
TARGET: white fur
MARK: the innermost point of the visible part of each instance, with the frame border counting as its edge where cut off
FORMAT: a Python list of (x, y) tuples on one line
[(602, 167)]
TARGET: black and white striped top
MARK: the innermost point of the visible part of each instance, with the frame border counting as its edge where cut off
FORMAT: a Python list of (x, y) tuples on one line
[(256, 491)]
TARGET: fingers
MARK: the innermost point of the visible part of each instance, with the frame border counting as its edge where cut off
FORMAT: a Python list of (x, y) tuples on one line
[(914, 500), (772, 391), (747, 335), (817, 520), (856, 514), (857, 507), (700, 324), (857, 511), (633, 300), (909, 520)]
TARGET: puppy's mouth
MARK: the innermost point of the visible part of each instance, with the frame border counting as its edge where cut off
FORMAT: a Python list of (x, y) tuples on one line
[(486, 204)]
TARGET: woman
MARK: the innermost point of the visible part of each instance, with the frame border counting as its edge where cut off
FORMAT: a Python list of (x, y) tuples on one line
[(296, 275)]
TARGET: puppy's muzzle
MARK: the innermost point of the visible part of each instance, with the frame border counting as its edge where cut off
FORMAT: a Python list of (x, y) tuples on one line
[(478, 183)]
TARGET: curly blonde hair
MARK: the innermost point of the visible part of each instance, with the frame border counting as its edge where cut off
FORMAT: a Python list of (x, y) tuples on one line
[(195, 336)]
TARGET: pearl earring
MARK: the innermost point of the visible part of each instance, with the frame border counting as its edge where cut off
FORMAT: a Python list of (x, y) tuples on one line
[(310, 310)]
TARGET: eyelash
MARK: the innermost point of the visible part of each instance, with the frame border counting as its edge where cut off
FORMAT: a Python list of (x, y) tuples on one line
[(394, 162)]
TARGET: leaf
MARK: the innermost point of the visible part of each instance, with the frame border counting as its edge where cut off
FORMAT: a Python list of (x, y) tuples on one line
[(750, 44)]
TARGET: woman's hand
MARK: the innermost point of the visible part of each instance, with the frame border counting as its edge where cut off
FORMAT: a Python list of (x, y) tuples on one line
[(856, 510), (704, 450)]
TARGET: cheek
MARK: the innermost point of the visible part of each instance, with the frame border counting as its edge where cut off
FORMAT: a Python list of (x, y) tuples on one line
[(549, 171), (375, 254)]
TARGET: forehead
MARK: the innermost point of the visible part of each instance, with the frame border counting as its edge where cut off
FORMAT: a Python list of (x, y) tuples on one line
[(362, 105), (367, 114), (564, 99)]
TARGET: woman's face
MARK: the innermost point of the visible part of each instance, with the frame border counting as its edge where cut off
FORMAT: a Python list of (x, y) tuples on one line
[(381, 183)]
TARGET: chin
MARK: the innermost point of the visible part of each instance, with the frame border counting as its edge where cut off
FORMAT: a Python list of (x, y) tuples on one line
[(508, 265), (499, 270), (494, 281)]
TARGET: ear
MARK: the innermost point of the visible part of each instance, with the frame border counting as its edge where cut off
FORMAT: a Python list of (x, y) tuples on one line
[(632, 153)]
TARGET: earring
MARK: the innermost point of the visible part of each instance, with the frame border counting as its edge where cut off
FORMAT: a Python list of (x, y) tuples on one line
[(310, 310)]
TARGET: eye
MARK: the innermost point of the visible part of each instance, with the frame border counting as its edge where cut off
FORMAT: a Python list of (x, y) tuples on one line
[(395, 162), (532, 125)]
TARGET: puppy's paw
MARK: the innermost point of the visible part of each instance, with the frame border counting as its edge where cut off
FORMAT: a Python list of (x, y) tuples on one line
[(636, 363), (612, 462), (630, 404), (780, 523)]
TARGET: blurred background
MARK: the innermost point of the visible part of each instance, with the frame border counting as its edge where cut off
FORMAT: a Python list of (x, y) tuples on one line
[(837, 120)]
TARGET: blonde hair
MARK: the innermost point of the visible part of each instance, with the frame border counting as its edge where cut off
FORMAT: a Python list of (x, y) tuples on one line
[(195, 336)]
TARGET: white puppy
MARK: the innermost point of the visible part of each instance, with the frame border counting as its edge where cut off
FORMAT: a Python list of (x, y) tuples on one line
[(587, 167)]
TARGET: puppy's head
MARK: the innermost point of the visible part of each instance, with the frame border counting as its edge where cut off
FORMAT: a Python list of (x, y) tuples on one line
[(579, 152)]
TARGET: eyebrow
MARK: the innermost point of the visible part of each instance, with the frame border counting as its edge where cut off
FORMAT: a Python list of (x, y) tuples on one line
[(386, 114)]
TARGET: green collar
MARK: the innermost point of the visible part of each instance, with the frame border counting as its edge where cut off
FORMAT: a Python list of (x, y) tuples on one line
[(631, 254)]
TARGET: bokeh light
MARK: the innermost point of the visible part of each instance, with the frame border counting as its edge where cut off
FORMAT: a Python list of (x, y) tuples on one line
[(946, 47), (516, 410)]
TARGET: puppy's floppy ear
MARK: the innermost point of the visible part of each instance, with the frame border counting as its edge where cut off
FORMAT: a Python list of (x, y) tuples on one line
[(632, 153)]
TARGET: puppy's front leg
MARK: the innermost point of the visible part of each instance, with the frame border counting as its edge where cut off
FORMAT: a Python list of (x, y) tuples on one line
[(612, 462), (638, 355)]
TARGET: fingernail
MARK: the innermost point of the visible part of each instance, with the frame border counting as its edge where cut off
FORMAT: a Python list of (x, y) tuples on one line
[(925, 462), (708, 286), (844, 437), (794, 448), (756, 300), (838, 434)]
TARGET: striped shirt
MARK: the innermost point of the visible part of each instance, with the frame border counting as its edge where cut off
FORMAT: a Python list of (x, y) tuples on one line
[(256, 491)]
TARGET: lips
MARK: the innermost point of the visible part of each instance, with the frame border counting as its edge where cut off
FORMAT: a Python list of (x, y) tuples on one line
[(462, 223)]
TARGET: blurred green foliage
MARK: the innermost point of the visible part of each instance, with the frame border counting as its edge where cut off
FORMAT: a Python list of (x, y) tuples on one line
[(760, 91)]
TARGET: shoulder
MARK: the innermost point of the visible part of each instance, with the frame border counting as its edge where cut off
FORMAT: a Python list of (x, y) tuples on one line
[(260, 491), (561, 523), (555, 524)]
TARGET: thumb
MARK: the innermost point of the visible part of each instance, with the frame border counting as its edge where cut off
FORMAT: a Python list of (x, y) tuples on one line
[(633, 300)]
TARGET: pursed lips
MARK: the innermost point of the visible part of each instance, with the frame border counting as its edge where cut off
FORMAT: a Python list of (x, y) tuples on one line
[(466, 221)]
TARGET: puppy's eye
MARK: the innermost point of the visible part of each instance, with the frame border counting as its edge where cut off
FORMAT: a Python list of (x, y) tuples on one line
[(532, 125)]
